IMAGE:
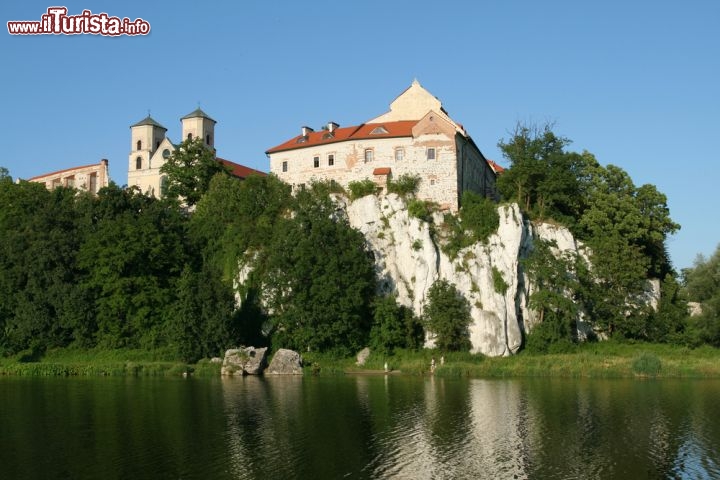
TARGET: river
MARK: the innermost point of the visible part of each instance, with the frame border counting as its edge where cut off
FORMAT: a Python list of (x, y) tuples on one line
[(358, 427)]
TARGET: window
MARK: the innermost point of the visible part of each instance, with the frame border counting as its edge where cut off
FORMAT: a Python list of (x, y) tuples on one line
[(378, 130), (284, 166), (189, 136), (166, 153), (369, 155), (431, 153), (138, 163), (93, 182), (70, 182), (316, 162), (207, 139), (399, 154), (139, 145), (331, 160), (163, 185)]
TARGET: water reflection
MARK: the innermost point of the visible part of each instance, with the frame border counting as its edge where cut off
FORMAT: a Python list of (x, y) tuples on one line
[(399, 427), (358, 427)]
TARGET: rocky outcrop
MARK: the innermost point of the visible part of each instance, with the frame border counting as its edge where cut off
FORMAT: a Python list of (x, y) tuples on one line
[(362, 357), (244, 361), (409, 261), (285, 362)]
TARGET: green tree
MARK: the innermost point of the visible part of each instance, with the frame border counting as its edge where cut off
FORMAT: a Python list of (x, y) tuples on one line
[(702, 284), (447, 315), (133, 254), (318, 279), (189, 170), (554, 282), (394, 326)]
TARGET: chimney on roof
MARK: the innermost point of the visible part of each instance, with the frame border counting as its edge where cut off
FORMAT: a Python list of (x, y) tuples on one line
[(306, 131), (331, 126)]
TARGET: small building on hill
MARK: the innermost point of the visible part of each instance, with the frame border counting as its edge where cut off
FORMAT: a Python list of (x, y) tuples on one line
[(150, 148), (416, 137), (89, 178)]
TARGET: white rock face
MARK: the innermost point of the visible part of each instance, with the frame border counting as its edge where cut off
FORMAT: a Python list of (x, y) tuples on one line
[(408, 262)]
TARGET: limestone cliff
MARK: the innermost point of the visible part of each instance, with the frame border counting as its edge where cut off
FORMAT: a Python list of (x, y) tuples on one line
[(409, 261)]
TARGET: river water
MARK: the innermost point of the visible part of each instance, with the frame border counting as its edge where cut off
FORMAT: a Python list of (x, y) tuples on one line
[(358, 427)]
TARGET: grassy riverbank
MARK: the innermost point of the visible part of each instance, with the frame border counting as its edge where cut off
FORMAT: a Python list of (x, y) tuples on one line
[(597, 360), (70, 362)]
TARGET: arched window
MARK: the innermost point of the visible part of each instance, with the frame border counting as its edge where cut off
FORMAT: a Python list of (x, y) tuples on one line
[(207, 139), (189, 136), (139, 145), (138, 163), (166, 153)]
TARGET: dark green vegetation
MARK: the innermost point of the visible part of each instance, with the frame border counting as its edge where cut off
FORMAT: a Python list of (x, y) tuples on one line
[(123, 271), (624, 228)]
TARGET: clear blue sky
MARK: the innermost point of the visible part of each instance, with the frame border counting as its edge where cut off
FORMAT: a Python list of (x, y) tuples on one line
[(637, 83)]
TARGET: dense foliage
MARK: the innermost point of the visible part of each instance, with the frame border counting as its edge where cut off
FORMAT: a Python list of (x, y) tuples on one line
[(254, 264), (623, 228), (447, 315), (702, 285)]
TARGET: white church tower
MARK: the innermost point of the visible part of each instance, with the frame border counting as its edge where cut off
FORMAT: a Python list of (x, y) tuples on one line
[(150, 148), (198, 124)]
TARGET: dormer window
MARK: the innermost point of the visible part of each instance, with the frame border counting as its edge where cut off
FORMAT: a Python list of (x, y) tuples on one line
[(301, 140), (139, 145), (379, 130), (328, 135)]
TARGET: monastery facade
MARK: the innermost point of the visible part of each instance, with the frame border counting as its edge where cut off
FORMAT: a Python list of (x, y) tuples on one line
[(415, 137), (150, 148)]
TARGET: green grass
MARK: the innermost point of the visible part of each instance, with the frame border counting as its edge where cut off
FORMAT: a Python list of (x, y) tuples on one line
[(593, 360), (96, 362)]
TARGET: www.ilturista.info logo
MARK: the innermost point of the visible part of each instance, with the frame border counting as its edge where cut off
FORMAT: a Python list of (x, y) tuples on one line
[(57, 22)]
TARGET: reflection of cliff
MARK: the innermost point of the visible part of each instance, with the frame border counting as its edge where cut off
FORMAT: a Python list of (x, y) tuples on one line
[(435, 428)]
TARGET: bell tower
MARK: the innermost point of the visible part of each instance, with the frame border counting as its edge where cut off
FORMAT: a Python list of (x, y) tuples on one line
[(145, 138), (198, 124)]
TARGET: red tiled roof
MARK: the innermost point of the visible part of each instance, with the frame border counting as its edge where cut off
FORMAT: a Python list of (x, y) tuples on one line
[(496, 168), (359, 132), (240, 171), (382, 171)]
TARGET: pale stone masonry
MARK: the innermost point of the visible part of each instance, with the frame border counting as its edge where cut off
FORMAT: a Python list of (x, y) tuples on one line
[(90, 178), (150, 148), (415, 137)]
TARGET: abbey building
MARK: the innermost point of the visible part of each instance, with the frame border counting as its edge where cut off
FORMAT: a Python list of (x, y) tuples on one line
[(416, 137), (150, 148)]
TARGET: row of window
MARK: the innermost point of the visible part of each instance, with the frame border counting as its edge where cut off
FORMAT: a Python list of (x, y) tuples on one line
[(399, 154), (430, 154)]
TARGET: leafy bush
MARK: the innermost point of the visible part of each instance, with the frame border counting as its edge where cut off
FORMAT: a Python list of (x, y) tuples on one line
[(362, 188), (647, 364), (421, 209), (479, 215), (499, 282), (447, 315), (405, 185), (394, 326)]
